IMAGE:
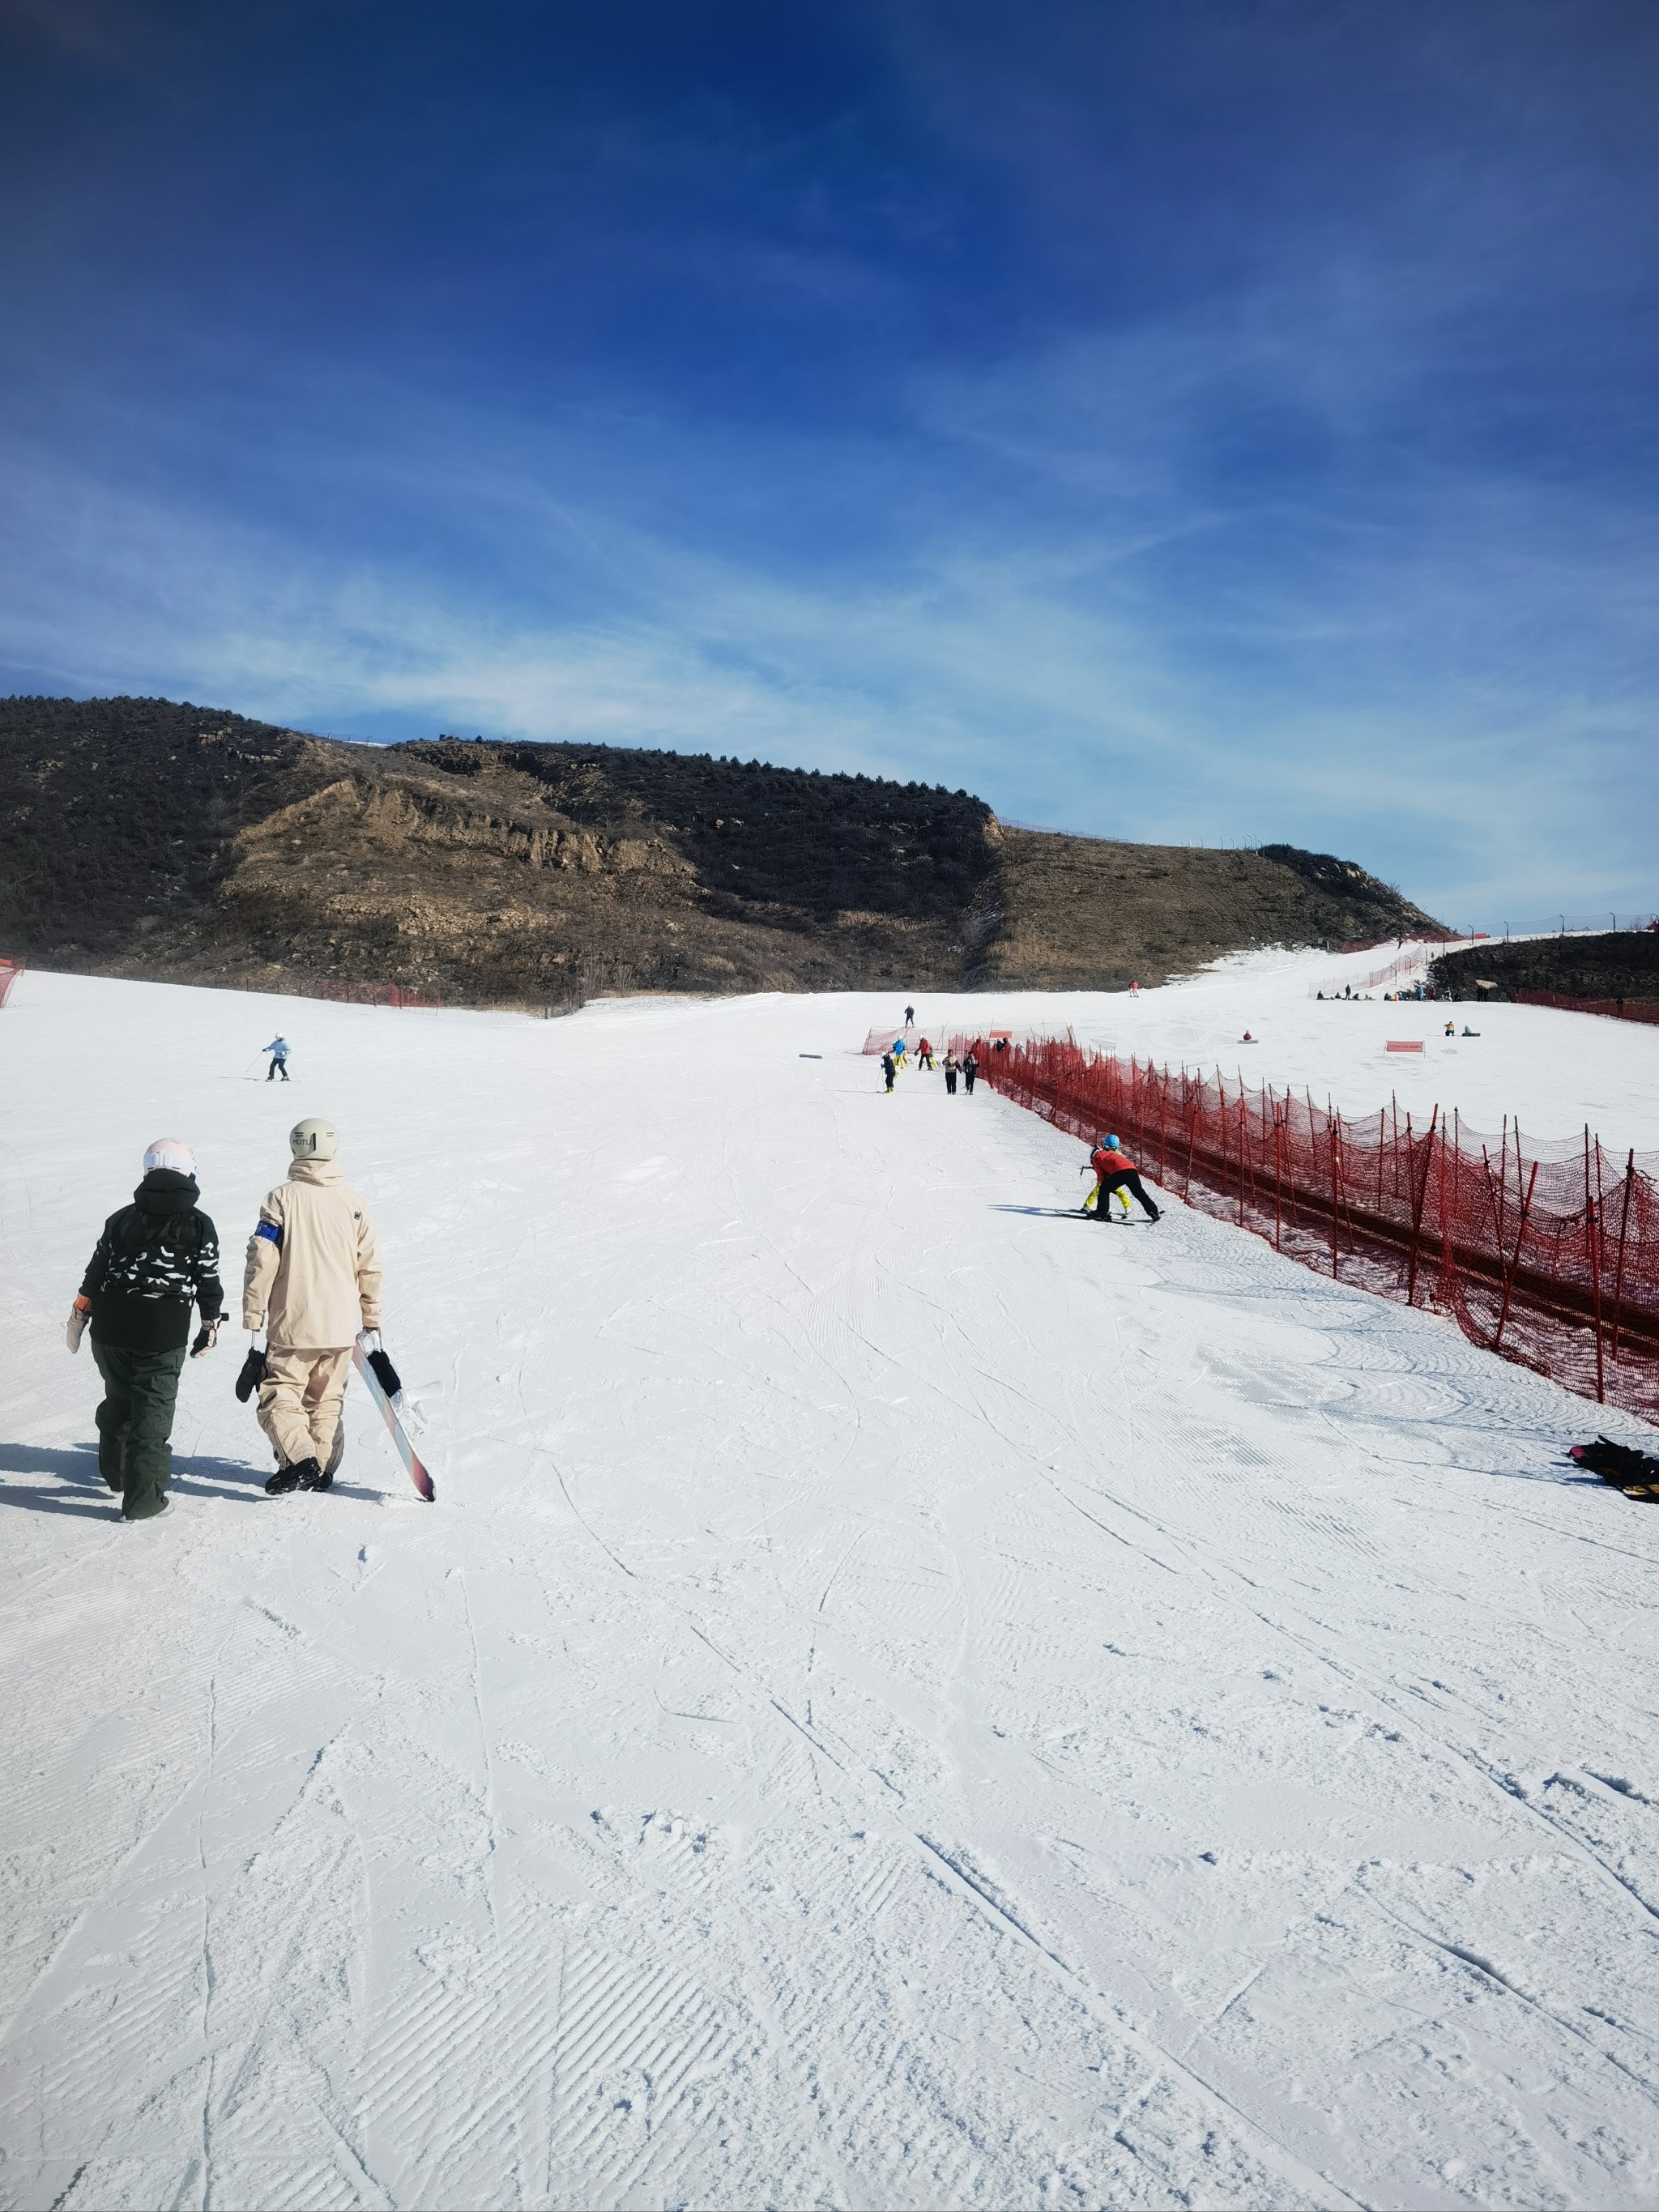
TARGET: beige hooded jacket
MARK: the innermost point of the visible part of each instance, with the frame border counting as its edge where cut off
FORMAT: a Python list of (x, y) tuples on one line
[(313, 1263)]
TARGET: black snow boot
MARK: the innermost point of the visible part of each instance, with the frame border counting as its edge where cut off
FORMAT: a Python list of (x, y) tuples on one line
[(302, 1475)]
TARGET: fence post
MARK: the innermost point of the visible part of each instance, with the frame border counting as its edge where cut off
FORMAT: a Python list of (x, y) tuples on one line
[(1418, 1197), (1509, 1272), (1593, 1230), (1624, 1225)]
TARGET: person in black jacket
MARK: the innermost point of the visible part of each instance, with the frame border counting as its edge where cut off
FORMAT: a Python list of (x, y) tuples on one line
[(155, 1259)]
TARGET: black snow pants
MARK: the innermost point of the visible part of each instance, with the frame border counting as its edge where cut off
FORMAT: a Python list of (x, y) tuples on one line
[(278, 1067), (968, 1075), (135, 1425), (1129, 1181), (950, 1081)]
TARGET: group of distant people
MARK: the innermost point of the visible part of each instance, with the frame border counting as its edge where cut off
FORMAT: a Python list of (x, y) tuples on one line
[(1115, 1174), (898, 1057)]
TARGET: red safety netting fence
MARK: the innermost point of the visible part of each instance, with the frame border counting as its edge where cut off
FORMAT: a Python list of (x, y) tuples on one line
[(349, 993), (1620, 1010), (1548, 1254), (10, 972), (883, 1039)]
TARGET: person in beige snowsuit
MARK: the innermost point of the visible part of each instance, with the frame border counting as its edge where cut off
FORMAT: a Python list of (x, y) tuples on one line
[(313, 1281)]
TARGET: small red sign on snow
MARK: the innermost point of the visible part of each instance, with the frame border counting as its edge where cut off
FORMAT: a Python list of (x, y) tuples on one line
[(1405, 1044)]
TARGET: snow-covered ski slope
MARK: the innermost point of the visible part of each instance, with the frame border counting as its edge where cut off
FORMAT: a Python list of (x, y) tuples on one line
[(905, 1697)]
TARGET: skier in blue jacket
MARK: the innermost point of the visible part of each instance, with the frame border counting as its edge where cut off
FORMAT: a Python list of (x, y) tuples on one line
[(278, 1050)]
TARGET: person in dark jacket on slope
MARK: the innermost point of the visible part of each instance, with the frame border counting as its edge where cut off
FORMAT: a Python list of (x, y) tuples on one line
[(888, 1068), (155, 1259), (1116, 1171), (969, 1070)]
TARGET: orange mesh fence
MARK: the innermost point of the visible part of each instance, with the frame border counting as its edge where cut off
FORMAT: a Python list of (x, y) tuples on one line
[(10, 972), (349, 993), (1548, 1254)]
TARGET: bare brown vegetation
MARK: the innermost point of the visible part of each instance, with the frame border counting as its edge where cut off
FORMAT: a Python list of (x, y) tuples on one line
[(139, 837)]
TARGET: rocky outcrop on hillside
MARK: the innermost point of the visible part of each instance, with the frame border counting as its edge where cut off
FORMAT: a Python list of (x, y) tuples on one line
[(140, 837)]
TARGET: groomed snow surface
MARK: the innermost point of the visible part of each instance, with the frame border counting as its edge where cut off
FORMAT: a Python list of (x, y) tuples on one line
[(905, 1698)]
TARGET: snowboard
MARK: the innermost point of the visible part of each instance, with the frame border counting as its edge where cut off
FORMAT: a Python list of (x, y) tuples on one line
[(388, 1411)]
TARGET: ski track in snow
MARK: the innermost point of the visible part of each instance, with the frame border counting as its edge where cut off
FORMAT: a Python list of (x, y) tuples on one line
[(902, 1700)]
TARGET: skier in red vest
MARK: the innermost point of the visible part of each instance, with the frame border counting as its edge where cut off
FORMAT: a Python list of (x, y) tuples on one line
[(1116, 1171)]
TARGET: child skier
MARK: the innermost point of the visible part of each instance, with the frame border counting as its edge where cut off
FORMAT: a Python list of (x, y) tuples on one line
[(278, 1050), (313, 1281), (1116, 1171), (888, 1068), (154, 1257), (925, 1055)]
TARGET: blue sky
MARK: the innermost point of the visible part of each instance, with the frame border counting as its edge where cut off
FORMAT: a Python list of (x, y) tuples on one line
[(1200, 423)]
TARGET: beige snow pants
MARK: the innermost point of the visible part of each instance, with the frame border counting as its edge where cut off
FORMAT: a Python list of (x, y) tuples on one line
[(300, 1401)]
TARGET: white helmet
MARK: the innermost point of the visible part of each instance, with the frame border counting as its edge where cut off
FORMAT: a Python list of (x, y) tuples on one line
[(311, 1139), (170, 1153)]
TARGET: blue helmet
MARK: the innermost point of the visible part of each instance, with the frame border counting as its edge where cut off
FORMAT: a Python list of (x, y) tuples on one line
[(1113, 1144)]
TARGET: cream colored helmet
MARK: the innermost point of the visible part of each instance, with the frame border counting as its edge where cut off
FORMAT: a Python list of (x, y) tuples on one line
[(311, 1139)]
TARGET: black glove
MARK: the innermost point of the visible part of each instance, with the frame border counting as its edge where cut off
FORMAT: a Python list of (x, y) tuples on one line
[(384, 1373), (252, 1374)]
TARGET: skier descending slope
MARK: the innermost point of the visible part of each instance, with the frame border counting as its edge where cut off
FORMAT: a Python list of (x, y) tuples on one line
[(313, 1281), (1116, 1171), (153, 1259), (278, 1049)]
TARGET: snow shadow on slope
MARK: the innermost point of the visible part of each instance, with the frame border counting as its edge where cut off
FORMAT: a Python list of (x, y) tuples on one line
[(79, 1465)]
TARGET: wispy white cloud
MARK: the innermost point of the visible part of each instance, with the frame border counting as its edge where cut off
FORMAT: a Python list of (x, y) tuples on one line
[(1066, 591)]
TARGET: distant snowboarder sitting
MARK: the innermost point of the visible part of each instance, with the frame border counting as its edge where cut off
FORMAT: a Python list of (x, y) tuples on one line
[(312, 1282), (154, 1257), (1116, 1171), (278, 1050), (888, 1068)]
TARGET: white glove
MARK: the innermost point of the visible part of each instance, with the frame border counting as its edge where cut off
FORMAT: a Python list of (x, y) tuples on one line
[(80, 1314)]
